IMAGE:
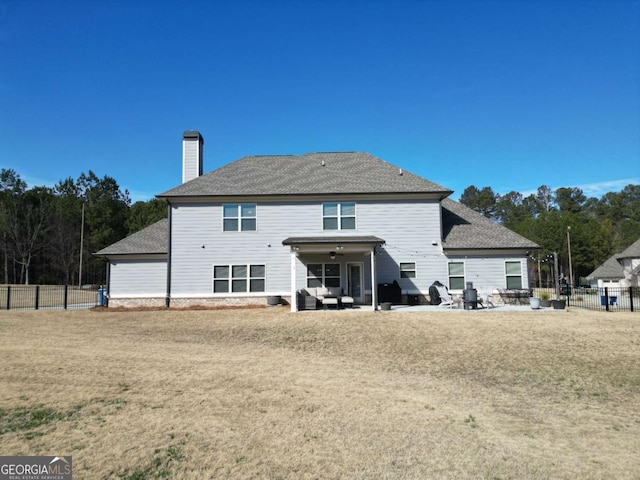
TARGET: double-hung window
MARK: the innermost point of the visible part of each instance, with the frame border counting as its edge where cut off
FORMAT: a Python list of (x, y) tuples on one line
[(456, 276), (407, 270), (239, 217), (238, 278), (339, 216), (323, 275), (513, 272)]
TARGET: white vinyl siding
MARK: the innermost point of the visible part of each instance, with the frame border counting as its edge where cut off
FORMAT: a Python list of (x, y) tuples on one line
[(409, 229), (138, 278), (489, 271)]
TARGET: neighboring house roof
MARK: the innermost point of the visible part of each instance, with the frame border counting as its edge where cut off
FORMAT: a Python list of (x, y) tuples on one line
[(308, 174), (464, 228), (633, 251), (150, 240), (611, 269)]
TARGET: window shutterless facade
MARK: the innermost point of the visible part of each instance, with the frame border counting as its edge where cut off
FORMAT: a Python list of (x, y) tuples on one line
[(339, 216), (239, 217), (407, 270), (456, 276), (513, 272), (323, 275), (239, 278)]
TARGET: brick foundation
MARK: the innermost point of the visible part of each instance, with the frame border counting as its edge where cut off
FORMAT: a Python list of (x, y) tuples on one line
[(193, 302)]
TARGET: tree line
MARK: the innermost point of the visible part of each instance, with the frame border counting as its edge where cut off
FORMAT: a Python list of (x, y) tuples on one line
[(48, 235), (45, 233), (594, 228)]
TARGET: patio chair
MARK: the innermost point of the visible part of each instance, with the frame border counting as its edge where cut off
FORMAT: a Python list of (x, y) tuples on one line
[(485, 295), (446, 299)]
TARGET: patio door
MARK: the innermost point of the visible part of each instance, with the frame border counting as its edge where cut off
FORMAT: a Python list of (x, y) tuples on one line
[(355, 281)]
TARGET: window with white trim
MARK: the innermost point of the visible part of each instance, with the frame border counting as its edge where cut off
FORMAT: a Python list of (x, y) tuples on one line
[(323, 275), (339, 216), (513, 273), (407, 269), (239, 278), (456, 276), (239, 217)]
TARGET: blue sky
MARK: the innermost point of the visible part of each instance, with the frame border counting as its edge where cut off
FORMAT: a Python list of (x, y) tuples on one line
[(506, 94)]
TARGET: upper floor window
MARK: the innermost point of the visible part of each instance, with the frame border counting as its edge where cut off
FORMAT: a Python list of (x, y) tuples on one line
[(339, 216), (239, 217), (513, 271), (456, 276)]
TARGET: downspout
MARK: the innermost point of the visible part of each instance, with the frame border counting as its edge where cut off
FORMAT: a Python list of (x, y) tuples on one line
[(294, 296), (374, 280), (167, 300), (108, 277)]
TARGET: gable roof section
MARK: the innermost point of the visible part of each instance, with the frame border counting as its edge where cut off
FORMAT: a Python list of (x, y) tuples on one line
[(633, 251), (464, 228), (611, 269), (308, 174), (150, 240)]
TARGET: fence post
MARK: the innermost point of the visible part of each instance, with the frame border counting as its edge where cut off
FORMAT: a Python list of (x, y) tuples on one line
[(8, 297), (606, 298), (631, 297), (37, 303), (66, 296)]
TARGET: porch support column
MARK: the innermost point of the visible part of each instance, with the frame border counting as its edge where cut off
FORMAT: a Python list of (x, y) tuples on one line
[(374, 283), (294, 296)]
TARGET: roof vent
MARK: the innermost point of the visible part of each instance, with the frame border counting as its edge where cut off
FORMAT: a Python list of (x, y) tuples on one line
[(400, 172), (322, 163)]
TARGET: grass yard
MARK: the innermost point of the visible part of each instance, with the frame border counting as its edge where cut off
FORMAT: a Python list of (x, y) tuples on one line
[(265, 393)]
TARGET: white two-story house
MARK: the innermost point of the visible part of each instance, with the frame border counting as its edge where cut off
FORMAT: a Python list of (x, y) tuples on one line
[(266, 226)]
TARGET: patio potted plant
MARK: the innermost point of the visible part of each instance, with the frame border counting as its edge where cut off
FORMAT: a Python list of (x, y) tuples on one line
[(545, 299), (534, 302)]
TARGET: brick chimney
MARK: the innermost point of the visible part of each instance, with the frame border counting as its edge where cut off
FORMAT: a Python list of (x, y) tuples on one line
[(192, 144)]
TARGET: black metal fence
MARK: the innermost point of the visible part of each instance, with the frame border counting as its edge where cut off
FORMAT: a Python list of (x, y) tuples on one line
[(609, 299), (67, 297)]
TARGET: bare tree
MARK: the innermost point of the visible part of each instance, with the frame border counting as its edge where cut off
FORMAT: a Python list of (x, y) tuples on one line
[(28, 222)]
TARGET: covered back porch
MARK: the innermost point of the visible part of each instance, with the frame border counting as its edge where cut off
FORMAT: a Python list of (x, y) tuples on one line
[(347, 263)]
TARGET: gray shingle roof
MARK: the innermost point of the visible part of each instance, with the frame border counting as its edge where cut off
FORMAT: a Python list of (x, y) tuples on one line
[(308, 174), (347, 172), (611, 269), (464, 228), (633, 251), (150, 240)]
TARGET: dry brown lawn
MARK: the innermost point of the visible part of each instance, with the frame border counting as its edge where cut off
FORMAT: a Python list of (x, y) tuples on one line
[(270, 394)]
